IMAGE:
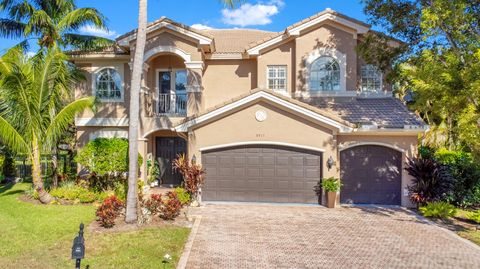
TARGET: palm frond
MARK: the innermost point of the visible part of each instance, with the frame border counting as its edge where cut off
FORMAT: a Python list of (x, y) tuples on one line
[(87, 42), (10, 137), (65, 117), (232, 3), (21, 11), (39, 23), (80, 17), (11, 28)]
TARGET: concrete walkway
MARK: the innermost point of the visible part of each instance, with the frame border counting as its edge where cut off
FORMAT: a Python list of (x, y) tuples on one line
[(283, 236)]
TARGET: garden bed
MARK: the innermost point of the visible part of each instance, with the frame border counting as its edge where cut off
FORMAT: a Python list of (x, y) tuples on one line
[(40, 236)]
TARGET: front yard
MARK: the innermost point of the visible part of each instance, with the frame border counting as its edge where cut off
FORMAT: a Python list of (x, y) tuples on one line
[(40, 236)]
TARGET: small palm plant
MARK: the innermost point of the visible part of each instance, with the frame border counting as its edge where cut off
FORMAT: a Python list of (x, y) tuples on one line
[(36, 104)]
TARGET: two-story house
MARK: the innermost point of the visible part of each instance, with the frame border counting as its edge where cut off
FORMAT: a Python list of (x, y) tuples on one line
[(267, 114)]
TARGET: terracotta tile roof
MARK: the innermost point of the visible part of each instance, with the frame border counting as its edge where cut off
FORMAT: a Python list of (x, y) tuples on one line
[(384, 112), (322, 112), (236, 40)]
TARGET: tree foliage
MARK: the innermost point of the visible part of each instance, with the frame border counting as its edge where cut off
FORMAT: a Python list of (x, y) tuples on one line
[(51, 23), (105, 156), (439, 67), (36, 104)]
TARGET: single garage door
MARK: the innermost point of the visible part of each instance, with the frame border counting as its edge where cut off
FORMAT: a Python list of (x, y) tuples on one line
[(371, 175), (260, 173)]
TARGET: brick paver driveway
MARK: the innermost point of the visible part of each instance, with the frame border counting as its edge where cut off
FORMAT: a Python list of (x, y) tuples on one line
[(282, 236)]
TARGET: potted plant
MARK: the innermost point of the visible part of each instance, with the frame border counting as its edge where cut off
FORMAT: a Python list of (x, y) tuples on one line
[(331, 186)]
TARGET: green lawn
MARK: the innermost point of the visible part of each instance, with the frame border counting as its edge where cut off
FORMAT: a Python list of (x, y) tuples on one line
[(40, 236), (471, 234)]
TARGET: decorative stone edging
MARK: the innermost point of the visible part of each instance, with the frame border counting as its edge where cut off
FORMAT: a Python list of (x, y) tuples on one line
[(182, 263)]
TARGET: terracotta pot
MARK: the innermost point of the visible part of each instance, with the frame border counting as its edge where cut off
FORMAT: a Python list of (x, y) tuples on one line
[(331, 199)]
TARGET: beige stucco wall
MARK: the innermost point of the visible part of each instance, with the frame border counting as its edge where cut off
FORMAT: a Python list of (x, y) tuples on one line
[(117, 109), (407, 144), (281, 55), (168, 38), (279, 127), (226, 79), (330, 37)]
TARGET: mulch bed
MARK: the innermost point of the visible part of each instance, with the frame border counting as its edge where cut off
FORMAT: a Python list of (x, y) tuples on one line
[(155, 222)]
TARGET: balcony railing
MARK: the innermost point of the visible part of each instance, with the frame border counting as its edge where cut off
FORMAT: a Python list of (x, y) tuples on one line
[(170, 104)]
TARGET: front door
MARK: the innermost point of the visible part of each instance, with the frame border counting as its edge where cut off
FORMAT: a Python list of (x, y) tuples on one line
[(167, 149)]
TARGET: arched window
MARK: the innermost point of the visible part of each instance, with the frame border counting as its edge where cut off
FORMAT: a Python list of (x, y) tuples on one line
[(324, 74), (109, 85)]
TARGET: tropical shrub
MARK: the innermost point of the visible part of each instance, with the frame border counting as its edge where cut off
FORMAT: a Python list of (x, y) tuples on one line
[(193, 174), (110, 209), (441, 210), (431, 182), (32, 193), (331, 184), (107, 160), (474, 216), (182, 195), (153, 170), (466, 176), (73, 192), (171, 206), (154, 204)]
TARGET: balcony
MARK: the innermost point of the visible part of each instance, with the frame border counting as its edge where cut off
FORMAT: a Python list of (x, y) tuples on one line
[(170, 104)]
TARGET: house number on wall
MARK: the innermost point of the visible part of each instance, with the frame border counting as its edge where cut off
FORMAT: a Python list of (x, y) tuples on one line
[(261, 115)]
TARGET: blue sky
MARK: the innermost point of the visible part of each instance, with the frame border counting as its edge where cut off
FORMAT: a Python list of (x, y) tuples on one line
[(274, 15)]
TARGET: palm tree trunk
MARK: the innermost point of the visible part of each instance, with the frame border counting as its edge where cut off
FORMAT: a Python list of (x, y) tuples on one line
[(131, 208), (43, 195)]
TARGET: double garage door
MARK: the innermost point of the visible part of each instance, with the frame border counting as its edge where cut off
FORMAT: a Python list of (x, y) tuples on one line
[(261, 173), (258, 173)]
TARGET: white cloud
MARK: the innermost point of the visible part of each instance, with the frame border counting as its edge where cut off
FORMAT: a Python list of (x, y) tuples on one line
[(200, 26), (248, 14), (30, 54), (92, 30)]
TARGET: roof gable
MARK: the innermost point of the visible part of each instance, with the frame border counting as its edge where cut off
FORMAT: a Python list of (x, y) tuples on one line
[(296, 29), (287, 103), (201, 37)]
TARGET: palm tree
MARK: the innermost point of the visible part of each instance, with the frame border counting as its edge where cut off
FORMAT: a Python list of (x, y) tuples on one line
[(51, 22), (132, 194), (34, 111)]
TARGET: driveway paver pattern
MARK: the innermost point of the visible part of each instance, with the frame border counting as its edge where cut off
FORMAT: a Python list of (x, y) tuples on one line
[(296, 236)]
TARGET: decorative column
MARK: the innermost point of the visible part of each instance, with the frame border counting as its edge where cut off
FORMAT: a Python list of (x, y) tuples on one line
[(194, 88)]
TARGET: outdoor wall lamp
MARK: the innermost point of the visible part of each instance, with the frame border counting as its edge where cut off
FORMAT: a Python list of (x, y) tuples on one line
[(194, 159), (330, 162)]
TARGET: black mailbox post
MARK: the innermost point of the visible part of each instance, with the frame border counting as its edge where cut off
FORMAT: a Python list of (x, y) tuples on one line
[(78, 248)]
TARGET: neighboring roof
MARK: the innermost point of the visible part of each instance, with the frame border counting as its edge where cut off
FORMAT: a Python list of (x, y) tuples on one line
[(386, 112), (301, 107), (236, 40), (164, 22)]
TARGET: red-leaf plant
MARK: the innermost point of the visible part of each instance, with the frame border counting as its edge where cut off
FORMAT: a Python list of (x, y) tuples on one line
[(110, 209), (193, 174), (171, 206)]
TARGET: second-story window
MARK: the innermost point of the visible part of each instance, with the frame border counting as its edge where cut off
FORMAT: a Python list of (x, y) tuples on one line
[(277, 77), (324, 74), (371, 79), (108, 85)]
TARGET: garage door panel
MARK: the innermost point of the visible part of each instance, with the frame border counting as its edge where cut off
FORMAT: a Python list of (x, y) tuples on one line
[(371, 174), (262, 173)]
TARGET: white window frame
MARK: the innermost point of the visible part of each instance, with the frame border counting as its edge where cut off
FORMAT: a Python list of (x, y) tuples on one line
[(341, 59), (379, 76), (173, 79), (122, 85), (278, 66)]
